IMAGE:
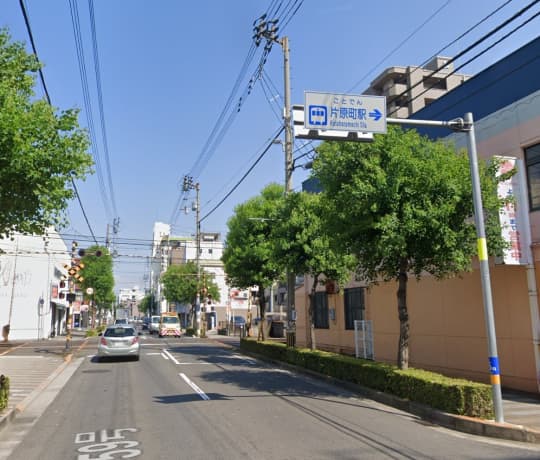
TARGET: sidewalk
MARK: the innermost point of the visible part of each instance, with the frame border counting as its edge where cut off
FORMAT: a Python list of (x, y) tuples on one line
[(33, 365), (521, 410)]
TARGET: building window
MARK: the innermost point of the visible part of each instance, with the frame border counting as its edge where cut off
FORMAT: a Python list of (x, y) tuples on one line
[(210, 251), (354, 306), (532, 158), (320, 313)]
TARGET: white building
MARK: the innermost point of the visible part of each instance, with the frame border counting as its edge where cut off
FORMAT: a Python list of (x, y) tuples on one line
[(129, 300), (32, 294), (175, 250)]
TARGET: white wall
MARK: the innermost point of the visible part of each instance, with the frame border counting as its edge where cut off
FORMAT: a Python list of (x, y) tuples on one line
[(27, 272)]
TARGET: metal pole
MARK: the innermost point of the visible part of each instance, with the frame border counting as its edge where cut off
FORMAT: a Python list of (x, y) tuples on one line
[(291, 278), (70, 302), (484, 272), (198, 242)]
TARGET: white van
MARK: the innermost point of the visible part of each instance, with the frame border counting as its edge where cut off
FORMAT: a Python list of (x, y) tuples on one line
[(153, 325)]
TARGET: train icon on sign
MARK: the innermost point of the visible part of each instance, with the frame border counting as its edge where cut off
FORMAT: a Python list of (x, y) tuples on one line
[(318, 115)]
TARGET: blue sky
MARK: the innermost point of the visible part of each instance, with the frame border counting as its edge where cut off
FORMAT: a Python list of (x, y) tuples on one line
[(168, 67)]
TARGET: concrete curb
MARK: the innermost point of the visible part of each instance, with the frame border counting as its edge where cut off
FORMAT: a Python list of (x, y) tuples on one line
[(470, 425)]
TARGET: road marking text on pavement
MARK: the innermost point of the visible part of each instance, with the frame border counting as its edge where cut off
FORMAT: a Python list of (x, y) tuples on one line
[(106, 443), (201, 393)]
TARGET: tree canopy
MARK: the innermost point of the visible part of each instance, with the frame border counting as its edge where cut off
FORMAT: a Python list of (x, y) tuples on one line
[(41, 149), (302, 244), (403, 204), (248, 256), (180, 284), (248, 253), (98, 275)]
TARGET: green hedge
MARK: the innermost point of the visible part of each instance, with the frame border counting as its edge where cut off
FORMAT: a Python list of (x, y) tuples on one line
[(4, 391), (456, 396)]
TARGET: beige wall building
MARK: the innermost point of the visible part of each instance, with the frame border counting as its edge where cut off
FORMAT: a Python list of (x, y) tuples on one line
[(409, 89), (447, 325)]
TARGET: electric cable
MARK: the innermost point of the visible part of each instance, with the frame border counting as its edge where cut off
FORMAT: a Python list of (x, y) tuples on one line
[(97, 73), (461, 53), (411, 35), (476, 56), (244, 176), (42, 78), (87, 102)]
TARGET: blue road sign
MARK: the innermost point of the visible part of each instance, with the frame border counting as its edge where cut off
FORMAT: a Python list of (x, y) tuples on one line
[(345, 112)]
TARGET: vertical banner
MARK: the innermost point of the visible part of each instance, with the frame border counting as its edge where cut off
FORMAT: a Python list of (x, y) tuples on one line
[(512, 215)]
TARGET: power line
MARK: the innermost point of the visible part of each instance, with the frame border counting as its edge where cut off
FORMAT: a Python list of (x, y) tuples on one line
[(466, 50), (100, 103), (504, 37), (245, 175), (42, 78), (411, 35), (87, 101), (223, 123)]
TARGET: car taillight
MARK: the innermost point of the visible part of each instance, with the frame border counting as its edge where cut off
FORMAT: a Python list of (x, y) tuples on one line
[(103, 341), (135, 340)]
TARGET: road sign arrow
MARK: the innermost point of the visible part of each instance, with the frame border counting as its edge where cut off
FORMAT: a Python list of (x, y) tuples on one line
[(376, 114)]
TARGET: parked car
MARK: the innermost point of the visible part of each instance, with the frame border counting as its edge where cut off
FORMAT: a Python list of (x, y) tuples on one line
[(119, 340), (145, 323), (239, 321), (153, 326)]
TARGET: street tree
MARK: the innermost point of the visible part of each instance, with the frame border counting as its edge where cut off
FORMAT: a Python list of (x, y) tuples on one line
[(98, 275), (147, 304), (42, 149), (181, 285), (302, 244), (248, 255), (403, 205)]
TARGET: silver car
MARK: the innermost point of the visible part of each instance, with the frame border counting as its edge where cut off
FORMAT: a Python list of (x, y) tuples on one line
[(119, 340)]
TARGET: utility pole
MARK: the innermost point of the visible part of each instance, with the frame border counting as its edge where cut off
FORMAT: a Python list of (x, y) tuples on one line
[(189, 185), (268, 30), (291, 277)]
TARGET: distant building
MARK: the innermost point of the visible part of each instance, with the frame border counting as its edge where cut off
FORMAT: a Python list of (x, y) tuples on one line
[(129, 300), (175, 250), (409, 89)]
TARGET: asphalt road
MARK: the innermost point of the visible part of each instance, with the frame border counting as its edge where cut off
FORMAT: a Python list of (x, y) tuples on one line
[(191, 399)]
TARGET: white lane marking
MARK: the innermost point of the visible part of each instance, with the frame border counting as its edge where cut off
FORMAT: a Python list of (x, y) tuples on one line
[(153, 353), (20, 356), (164, 356), (244, 358), (201, 393), (171, 357)]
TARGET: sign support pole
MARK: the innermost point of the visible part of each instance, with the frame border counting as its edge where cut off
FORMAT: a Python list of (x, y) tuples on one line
[(467, 125)]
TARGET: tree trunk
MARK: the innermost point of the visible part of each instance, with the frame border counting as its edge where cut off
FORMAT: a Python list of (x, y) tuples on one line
[(311, 343), (403, 346), (262, 311)]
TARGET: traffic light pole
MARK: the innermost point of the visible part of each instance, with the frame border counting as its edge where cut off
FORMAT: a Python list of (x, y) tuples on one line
[(70, 300)]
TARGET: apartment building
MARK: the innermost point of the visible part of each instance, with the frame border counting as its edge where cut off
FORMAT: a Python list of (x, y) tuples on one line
[(411, 88), (175, 250)]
